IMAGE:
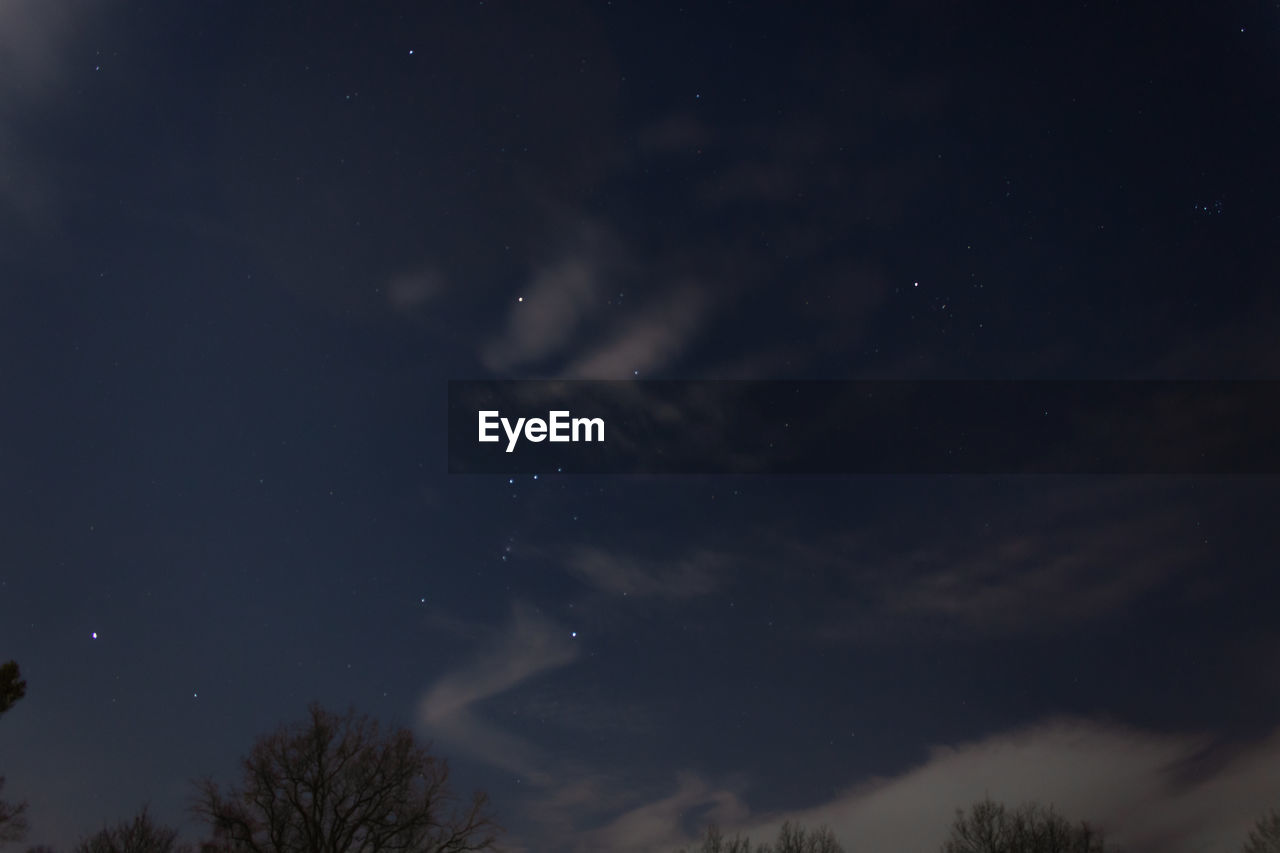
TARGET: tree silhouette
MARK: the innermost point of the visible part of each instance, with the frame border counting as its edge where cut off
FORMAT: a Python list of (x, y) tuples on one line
[(990, 827), (12, 687), (1265, 836), (792, 838), (139, 835), (339, 784), (715, 842), (13, 818)]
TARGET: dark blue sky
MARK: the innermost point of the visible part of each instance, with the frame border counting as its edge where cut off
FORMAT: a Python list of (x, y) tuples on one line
[(242, 250)]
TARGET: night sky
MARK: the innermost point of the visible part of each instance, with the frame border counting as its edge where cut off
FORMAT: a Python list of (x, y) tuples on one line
[(244, 246)]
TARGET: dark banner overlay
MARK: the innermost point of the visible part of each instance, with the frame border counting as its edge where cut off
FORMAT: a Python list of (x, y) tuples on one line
[(864, 427)]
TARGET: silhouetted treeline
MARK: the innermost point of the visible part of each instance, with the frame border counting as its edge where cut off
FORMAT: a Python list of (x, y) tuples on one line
[(139, 835), (792, 838), (986, 827), (331, 783), (991, 827), (340, 783), (13, 817)]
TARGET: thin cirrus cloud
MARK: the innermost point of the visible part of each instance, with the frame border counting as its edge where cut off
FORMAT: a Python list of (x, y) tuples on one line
[(33, 42), (568, 314), (658, 825), (543, 322), (647, 344), (572, 318), (568, 302), (1056, 557), (1019, 581), (37, 42), (1129, 783), (531, 645), (625, 574)]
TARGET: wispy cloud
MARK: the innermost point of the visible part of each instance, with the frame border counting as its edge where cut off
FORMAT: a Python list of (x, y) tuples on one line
[(548, 315), (36, 42), (530, 645), (33, 37), (698, 573), (649, 342), (1065, 555), (575, 319), (790, 182), (661, 824)]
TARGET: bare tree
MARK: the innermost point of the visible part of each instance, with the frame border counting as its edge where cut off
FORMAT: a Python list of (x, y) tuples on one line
[(715, 842), (12, 687), (792, 838), (13, 818), (339, 784), (1265, 835), (139, 835), (990, 827)]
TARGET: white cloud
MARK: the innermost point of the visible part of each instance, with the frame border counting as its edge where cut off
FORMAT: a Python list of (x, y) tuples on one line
[(1133, 785), (33, 34), (575, 318), (1059, 558), (648, 343), (657, 825), (530, 646), (688, 577), (36, 42), (548, 314)]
